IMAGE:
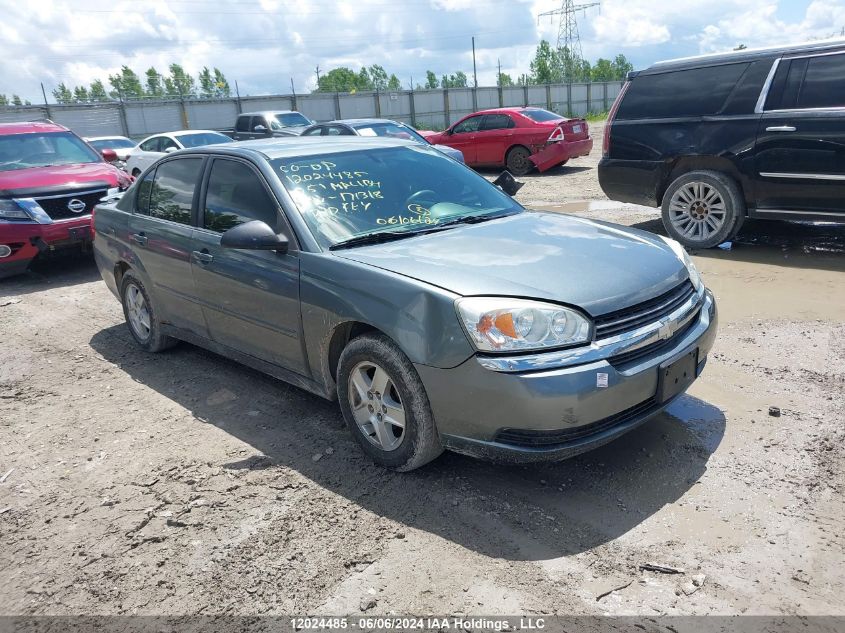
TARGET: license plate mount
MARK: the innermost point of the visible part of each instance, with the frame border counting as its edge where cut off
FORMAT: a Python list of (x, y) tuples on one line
[(676, 374)]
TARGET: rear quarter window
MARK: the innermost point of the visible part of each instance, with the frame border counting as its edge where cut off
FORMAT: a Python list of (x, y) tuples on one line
[(680, 93)]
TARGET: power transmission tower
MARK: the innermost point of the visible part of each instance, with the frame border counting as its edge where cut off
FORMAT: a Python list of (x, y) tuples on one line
[(567, 29)]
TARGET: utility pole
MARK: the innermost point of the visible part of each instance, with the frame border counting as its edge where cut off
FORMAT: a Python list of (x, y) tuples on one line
[(293, 92), (46, 105), (499, 73), (318, 76), (474, 73), (567, 31)]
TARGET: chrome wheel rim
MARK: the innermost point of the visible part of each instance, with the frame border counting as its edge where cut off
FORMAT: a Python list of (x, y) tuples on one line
[(137, 311), (697, 211), (376, 406)]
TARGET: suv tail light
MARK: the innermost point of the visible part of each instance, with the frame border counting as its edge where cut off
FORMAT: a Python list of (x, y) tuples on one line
[(605, 141)]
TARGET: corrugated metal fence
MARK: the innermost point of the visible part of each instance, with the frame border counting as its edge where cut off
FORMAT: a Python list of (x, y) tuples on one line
[(430, 109)]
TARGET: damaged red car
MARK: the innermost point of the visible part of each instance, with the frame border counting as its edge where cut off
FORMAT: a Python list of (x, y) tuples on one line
[(519, 139)]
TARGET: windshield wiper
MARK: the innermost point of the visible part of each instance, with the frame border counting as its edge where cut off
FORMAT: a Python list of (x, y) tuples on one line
[(379, 237), (474, 219)]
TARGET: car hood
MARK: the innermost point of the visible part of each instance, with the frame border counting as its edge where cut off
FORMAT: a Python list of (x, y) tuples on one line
[(35, 179), (597, 266)]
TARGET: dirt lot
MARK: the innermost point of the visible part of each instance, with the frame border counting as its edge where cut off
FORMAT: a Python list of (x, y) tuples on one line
[(183, 483)]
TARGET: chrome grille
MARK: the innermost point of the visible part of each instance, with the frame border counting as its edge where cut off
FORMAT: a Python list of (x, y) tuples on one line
[(631, 318)]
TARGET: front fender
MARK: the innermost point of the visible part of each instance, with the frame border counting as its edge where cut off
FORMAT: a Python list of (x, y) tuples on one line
[(419, 317)]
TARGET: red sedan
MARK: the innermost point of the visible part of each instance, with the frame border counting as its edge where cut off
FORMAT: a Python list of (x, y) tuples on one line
[(517, 138)]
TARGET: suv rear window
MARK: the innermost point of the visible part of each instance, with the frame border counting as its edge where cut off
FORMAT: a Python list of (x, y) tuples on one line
[(823, 85), (681, 93)]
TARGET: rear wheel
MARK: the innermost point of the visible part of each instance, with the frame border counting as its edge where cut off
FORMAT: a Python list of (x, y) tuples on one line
[(517, 161), (141, 317), (385, 405), (702, 209)]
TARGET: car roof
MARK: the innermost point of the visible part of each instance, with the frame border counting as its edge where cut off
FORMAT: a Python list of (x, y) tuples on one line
[(107, 138), (509, 110), (264, 112), (178, 133), (746, 54), (301, 146), (31, 127), (354, 122)]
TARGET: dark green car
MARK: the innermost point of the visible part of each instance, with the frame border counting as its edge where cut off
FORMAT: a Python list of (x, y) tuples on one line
[(438, 311)]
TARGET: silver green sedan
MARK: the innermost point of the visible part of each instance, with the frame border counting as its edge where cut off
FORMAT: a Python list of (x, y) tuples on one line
[(436, 310)]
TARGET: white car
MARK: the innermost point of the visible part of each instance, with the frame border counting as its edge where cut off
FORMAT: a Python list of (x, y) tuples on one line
[(119, 144), (154, 147)]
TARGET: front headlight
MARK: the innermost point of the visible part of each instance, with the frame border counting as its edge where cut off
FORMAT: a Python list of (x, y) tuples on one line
[(497, 324), (11, 210), (694, 277)]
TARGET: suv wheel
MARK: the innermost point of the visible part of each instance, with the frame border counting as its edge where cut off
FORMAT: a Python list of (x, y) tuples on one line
[(141, 317), (385, 405), (702, 209)]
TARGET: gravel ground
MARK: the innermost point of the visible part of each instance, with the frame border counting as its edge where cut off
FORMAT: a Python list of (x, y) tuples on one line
[(183, 483)]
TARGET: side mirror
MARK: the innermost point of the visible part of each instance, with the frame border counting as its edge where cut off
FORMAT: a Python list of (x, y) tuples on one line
[(170, 149), (254, 236), (508, 183), (109, 155), (259, 128)]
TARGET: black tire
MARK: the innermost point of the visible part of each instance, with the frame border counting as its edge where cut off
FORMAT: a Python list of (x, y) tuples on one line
[(136, 172), (517, 160), (155, 340), (682, 215), (420, 442)]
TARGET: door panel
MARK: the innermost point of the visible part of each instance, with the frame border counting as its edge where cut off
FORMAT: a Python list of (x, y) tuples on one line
[(250, 298), (493, 138), (800, 150), (161, 235), (463, 138)]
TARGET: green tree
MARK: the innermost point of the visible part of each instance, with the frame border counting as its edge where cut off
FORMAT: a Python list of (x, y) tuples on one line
[(741, 47), (4, 100), (126, 84), (179, 82), (458, 80), (206, 83), (155, 83), (16, 100), (431, 82), (363, 81), (341, 79), (545, 67), (62, 94), (393, 83), (621, 67), (80, 94), (504, 80), (221, 85), (97, 91), (378, 76)]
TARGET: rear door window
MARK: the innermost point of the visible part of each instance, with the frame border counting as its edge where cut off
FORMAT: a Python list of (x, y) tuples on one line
[(236, 195), (682, 93), (172, 193), (824, 83), (496, 122)]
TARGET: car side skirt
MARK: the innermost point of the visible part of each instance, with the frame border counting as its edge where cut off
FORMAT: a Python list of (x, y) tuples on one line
[(280, 373)]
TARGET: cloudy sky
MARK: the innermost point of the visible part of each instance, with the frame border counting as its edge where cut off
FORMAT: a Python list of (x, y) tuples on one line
[(264, 43)]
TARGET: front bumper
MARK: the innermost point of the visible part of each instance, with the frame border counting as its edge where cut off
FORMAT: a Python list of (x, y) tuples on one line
[(29, 239), (474, 404), (556, 153)]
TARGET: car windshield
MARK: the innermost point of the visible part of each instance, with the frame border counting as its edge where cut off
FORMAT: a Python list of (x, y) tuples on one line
[(395, 130), (202, 138), (367, 192), (288, 119), (23, 151), (538, 114), (111, 143)]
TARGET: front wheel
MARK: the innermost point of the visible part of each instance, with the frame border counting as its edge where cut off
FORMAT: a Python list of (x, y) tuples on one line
[(702, 209), (385, 405), (517, 161)]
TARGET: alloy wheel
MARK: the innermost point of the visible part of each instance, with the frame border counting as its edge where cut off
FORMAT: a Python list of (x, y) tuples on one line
[(376, 405), (697, 211), (138, 312)]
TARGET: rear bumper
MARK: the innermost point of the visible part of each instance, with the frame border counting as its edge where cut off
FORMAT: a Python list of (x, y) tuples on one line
[(556, 153), (479, 411), (635, 181), (28, 240)]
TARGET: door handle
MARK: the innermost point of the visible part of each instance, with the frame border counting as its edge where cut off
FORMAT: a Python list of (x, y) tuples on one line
[(140, 239), (203, 258), (781, 128)]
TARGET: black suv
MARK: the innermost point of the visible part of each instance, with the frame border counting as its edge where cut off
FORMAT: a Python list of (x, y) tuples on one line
[(718, 138)]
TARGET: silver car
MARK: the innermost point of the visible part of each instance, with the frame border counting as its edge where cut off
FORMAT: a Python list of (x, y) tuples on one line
[(436, 310)]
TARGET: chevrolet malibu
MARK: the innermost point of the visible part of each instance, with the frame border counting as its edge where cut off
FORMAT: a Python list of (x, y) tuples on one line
[(435, 309)]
